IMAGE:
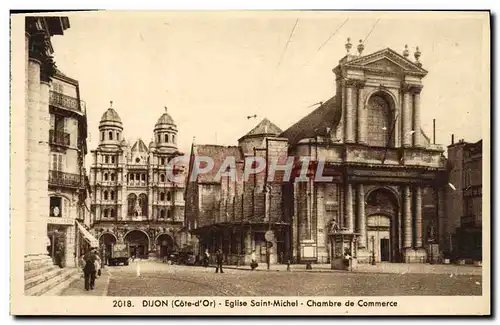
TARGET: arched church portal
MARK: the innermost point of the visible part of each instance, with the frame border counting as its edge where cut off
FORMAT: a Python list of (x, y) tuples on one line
[(164, 245), (381, 225), (138, 242)]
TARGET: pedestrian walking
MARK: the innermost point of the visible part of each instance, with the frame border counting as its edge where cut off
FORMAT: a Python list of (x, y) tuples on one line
[(89, 269), (206, 258), (98, 264), (218, 260), (253, 264)]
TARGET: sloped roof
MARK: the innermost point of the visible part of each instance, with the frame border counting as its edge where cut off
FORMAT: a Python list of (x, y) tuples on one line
[(319, 122), (219, 154), (140, 146), (110, 116), (265, 127)]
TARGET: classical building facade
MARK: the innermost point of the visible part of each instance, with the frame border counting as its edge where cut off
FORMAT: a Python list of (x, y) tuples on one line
[(464, 201), (387, 179), (134, 201), (67, 177)]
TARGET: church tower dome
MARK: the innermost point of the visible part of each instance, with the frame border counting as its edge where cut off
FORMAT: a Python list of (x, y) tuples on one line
[(110, 128), (165, 133)]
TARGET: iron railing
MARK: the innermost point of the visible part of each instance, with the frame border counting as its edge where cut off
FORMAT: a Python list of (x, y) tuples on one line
[(65, 101), (58, 137), (59, 178)]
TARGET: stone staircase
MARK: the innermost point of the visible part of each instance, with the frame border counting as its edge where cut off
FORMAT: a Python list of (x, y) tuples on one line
[(48, 280)]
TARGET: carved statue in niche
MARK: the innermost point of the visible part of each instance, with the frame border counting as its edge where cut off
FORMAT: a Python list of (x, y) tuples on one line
[(333, 226)]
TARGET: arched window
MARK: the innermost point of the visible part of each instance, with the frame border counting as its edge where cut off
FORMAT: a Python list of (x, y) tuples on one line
[(106, 159), (379, 121), (143, 203), (105, 176), (159, 138), (166, 137), (110, 135), (111, 213), (169, 196), (112, 176), (118, 136), (162, 196), (112, 195), (162, 161), (168, 214), (131, 200), (162, 178), (102, 135), (143, 177), (173, 138), (105, 213), (105, 195), (162, 213)]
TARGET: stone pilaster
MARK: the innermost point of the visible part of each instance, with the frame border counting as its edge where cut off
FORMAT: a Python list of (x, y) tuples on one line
[(407, 217), (361, 219), (417, 136), (349, 207), (350, 106), (418, 217), (407, 117), (361, 127), (70, 248)]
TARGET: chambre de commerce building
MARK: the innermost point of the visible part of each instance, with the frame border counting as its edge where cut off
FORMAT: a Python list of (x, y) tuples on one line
[(133, 199), (387, 186)]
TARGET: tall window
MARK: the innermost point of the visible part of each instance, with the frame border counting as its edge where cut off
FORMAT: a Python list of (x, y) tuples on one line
[(55, 206), (162, 178), (111, 213), (173, 138), (169, 196), (106, 159), (118, 136), (112, 195), (105, 195), (105, 176), (162, 196), (159, 138), (166, 137), (112, 159), (162, 213), (131, 200), (143, 203), (110, 135), (57, 162), (112, 176), (102, 135), (162, 161), (379, 122)]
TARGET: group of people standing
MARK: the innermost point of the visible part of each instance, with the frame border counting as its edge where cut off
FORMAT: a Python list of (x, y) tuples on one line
[(91, 263)]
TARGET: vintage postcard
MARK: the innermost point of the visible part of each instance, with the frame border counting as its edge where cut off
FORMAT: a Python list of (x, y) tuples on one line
[(250, 163)]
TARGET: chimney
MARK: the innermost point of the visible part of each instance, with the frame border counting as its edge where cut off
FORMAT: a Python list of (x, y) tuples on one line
[(452, 139)]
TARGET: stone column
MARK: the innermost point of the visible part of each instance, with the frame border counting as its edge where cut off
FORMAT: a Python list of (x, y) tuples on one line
[(417, 136), (348, 207), (36, 167), (349, 127), (361, 227), (407, 117), (418, 217), (408, 236), (361, 126)]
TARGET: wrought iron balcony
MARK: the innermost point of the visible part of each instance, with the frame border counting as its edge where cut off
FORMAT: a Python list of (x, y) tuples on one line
[(58, 137), (59, 178), (65, 101)]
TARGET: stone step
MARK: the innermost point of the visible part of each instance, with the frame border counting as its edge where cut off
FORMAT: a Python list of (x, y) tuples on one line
[(59, 288), (58, 277), (42, 277), (36, 272)]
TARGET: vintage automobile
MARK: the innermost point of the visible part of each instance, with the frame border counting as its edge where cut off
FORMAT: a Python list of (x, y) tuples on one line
[(120, 253)]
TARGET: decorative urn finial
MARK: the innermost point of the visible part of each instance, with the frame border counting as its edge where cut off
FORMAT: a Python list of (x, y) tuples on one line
[(406, 52), (361, 47), (348, 46), (417, 55)]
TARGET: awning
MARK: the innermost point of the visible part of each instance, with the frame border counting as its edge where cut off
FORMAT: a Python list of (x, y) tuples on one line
[(87, 235)]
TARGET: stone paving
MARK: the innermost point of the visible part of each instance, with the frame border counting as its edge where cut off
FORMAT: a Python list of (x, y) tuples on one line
[(77, 287)]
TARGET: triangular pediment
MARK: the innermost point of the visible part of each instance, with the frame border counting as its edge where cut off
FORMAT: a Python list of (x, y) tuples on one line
[(387, 60)]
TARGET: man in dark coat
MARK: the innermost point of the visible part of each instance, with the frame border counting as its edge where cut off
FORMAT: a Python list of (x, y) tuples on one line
[(89, 269), (218, 259)]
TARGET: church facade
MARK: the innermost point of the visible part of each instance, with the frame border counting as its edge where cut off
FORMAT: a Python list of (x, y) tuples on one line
[(134, 201), (386, 181)]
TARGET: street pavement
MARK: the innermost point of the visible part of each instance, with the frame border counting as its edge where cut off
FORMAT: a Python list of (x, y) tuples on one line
[(151, 278)]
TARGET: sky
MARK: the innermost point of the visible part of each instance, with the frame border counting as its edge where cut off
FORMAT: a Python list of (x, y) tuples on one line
[(212, 70)]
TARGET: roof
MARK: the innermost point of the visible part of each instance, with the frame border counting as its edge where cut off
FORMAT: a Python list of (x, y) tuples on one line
[(319, 122), (110, 116), (219, 154), (265, 127), (140, 146), (165, 119)]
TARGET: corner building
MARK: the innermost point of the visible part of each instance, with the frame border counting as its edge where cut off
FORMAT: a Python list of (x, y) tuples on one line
[(134, 202)]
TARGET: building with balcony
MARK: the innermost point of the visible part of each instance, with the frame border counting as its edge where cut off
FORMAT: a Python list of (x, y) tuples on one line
[(464, 201), (386, 178), (67, 183), (134, 201)]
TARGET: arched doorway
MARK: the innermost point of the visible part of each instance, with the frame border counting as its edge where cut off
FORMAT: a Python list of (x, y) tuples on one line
[(379, 122), (138, 242), (164, 245), (381, 222), (106, 242)]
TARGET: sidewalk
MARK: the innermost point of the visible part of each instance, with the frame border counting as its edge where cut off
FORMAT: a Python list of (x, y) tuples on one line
[(77, 287), (399, 268)]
